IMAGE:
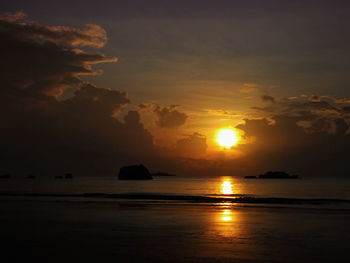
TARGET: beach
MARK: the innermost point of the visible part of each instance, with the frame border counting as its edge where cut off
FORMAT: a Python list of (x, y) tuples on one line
[(55, 230)]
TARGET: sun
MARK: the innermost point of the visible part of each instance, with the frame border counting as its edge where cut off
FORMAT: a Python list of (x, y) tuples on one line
[(227, 138)]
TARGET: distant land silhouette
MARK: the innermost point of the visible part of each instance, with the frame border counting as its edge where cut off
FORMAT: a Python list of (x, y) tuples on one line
[(273, 175), (162, 174), (134, 172), (68, 176), (5, 176)]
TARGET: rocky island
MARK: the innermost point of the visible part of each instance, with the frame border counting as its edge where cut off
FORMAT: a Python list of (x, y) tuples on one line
[(5, 176)]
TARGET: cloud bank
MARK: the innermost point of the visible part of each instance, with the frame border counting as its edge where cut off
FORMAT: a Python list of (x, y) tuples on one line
[(53, 121), (306, 134), (169, 117), (44, 130)]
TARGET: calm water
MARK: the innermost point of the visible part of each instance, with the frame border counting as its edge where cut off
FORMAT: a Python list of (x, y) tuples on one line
[(206, 186), (102, 230)]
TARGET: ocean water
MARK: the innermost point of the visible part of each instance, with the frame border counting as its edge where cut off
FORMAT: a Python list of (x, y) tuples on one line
[(175, 219), (310, 191)]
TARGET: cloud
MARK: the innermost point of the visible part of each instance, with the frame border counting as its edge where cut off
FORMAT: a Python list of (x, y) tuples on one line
[(249, 88), (42, 60), (13, 17), (220, 112), (142, 106), (322, 113), (246, 90), (45, 130), (14, 24), (54, 122), (92, 100), (267, 98), (308, 135), (169, 117), (343, 101), (192, 145)]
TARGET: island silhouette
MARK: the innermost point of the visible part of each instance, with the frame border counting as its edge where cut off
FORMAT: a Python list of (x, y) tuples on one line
[(162, 174), (273, 175)]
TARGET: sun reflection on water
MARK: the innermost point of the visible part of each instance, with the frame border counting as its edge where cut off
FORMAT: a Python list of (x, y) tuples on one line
[(226, 222), (227, 187), (226, 215)]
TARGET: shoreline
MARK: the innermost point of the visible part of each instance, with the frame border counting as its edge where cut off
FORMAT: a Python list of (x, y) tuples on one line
[(167, 199), (162, 203)]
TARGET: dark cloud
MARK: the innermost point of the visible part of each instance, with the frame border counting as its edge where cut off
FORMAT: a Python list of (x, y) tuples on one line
[(42, 60), (43, 130), (346, 109), (303, 134), (96, 101), (169, 117), (267, 98), (193, 145), (142, 106), (53, 121), (317, 111), (15, 25)]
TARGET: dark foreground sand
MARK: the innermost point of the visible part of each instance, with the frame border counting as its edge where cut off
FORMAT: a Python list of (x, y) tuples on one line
[(57, 231)]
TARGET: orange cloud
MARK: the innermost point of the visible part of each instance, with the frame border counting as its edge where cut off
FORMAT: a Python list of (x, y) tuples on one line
[(249, 88)]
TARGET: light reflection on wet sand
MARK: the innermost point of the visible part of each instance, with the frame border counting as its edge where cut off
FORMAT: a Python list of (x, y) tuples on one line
[(108, 232), (139, 231), (225, 222)]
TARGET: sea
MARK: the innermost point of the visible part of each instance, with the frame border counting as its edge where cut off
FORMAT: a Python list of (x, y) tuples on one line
[(320, 193)]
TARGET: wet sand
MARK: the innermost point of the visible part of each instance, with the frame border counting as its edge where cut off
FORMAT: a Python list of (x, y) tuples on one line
[(62, 231)]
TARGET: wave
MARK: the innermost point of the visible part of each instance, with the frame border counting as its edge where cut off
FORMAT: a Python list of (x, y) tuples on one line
[(234, 199)]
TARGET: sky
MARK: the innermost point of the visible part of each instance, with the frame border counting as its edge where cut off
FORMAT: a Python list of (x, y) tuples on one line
[(93, 85)]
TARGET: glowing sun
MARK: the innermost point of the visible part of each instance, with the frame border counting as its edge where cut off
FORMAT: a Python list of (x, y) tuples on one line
[(227, 138)]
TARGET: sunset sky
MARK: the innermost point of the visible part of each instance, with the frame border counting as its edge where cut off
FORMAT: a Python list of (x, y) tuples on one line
[(93, 85)]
